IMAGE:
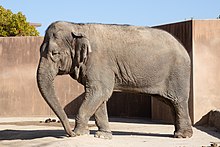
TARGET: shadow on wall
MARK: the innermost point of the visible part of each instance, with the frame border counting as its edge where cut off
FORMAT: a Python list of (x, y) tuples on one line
[(119, 105), (72, 108), (122, 104), (211, 119)]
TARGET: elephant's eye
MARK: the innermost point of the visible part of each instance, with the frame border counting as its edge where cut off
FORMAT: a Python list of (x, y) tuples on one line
[(55, 36), (55, 53)]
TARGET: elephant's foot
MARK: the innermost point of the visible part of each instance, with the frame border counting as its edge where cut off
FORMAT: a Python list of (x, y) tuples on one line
[(103, 134), (80, 131), (71, 134), (183, 133)]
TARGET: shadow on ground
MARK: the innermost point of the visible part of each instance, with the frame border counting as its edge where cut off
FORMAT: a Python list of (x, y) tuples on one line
[(30, 134), (205, 124), (209, 130), (123, 133), (35, 134)]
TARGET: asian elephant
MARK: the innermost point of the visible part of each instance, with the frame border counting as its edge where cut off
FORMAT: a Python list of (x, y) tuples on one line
[(108, 57)]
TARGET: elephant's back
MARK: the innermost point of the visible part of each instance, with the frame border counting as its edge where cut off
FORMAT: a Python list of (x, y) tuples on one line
[(122, 37), (130, 41)]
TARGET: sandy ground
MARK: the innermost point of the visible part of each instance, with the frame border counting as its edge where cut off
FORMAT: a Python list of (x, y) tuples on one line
[(30, 132)]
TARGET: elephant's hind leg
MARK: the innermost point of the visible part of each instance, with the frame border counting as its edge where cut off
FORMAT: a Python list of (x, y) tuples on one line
[(180, 115), (178, 93), (101, 119), (183, 121)]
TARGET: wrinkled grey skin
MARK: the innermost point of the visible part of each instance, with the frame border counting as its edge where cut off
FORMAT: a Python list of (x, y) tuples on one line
[(105, 58)]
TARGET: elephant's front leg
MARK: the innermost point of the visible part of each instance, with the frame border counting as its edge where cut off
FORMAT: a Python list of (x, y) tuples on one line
[(96, 94), (101, 119)]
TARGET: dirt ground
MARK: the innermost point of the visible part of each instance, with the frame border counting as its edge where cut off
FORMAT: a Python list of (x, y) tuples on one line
[(31, 132)]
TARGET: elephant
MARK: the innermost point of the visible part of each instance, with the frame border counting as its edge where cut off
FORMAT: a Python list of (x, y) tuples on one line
[(114, 57)]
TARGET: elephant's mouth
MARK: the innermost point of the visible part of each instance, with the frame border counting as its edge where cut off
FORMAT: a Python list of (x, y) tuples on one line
[(76, 73), (65, 66), (61, 72), (65, 69)]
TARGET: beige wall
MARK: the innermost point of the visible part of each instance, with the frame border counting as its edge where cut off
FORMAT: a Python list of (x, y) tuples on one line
[(18, 90), (206, 60), (19, 95)]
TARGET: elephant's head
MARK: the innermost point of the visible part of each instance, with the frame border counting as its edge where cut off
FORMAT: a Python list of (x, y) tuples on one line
[(63, 51)]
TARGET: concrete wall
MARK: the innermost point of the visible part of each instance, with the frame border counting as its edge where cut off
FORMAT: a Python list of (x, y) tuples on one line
[(19, 95), (18, 92), (206, 61)]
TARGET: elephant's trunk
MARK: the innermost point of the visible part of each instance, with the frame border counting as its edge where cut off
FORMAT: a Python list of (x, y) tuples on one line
[(45, 80)]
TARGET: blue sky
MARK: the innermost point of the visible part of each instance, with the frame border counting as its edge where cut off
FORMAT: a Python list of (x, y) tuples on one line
[(136, 12)]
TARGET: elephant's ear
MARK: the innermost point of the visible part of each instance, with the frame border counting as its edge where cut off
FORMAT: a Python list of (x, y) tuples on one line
[(77, 35), (82, 48)]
